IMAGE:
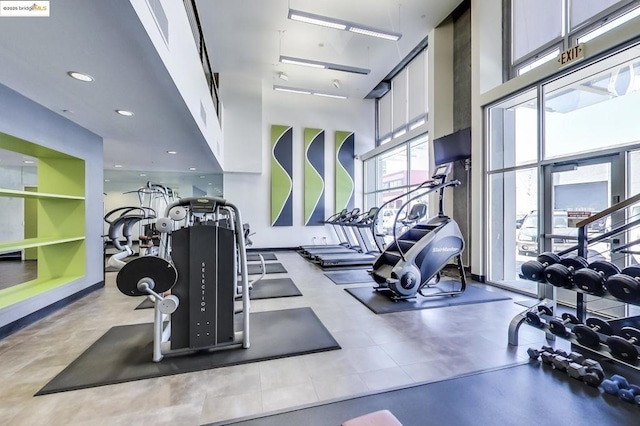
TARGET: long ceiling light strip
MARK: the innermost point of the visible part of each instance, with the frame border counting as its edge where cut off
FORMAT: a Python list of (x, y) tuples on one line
[(339, 24), (306, 92), (325, 65)]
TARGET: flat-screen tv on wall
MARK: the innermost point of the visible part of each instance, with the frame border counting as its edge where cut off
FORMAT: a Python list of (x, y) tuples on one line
[(453, 147)]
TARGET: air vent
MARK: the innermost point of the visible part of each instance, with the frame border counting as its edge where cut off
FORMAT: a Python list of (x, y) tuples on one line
[(203, 114), (161, 18)]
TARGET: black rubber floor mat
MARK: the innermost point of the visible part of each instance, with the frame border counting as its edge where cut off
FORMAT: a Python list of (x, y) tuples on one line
[(124, 353), (253, 257), (508, 396), (349, 276), (272, 268), (381, 303)]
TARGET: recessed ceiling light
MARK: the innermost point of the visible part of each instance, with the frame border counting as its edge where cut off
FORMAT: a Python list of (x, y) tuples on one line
[(124, 112), (192, 168), (117, 166), (142, 175), (80, 76), (28, 162), (172, 152)]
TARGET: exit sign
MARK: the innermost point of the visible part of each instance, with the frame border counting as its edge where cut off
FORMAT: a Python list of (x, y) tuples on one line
[(570, 56)]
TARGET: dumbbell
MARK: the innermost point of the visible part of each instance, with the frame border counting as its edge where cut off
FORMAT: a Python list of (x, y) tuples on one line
[(534, 319), (623, 346), (625, 285), (587, 335), (562, 362), (561, 274), (558, 327), (614, 383), (548, 356), (591, 279), (534, 269), (594, 374), (630, 394), (535, 353)]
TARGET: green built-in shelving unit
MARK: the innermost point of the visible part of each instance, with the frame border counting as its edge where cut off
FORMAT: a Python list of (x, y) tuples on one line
[(60, 240)]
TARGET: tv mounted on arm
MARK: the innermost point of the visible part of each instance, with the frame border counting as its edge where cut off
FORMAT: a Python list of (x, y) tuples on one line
[(453, 147)]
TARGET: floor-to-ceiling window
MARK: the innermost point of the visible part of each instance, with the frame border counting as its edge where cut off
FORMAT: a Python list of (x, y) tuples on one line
[(559, 152)]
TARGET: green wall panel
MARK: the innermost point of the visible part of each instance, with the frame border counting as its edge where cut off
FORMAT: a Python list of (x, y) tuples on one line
[(281, 175), (345, 173), (314, 167)]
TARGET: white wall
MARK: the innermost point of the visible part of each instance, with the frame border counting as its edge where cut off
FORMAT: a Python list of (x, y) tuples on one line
[(182, 60), (251, 192), (23, 118), (242, 123)]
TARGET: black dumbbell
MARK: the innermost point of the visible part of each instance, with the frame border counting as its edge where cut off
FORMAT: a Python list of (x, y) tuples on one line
[(534, 269), (591, 280), (623, 346), (533, 318), (535, 353), (594, 374), (630, 394), (625, 285), (561, 274), (558, 327), (614, 383), (587, 335)]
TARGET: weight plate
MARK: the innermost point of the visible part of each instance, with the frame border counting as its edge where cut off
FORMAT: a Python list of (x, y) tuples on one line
[(533, 319), (557, 327), (543, 309), (589, 281), (603, 326), (605, 268), (548, 258), (632, 271), (571, 318), (631, 333), (533, 270), (163, 274), (559, 275), (622, 349), (574, 262), (586, 336), (624, 287)]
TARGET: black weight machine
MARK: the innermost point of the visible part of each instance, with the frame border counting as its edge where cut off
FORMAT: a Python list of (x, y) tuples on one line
[(204, 266)]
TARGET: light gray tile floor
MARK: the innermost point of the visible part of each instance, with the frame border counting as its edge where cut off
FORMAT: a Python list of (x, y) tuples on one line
[(378, 352)]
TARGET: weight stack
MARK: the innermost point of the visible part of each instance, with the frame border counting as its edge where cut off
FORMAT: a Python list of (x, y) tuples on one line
[(204, 257)]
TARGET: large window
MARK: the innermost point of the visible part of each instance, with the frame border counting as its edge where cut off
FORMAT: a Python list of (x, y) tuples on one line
[(404, 107), (540, 29), (392, 174)]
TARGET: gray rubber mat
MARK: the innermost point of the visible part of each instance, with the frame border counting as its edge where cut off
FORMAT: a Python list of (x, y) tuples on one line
[(349, 276), (525, 394), (253, 257), (263, 289), (124, 353), (380, 303), (272, 268)]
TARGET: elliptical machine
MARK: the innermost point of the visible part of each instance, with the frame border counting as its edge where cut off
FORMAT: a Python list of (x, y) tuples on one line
[(415, 259)]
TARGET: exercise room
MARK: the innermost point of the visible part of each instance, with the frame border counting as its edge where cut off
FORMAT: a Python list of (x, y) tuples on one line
[(311, 212)]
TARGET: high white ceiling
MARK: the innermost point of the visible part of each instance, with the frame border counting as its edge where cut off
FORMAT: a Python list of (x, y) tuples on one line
[(245, 38)]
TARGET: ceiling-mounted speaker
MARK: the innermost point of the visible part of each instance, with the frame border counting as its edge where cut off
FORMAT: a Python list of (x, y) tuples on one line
[(380, 90)]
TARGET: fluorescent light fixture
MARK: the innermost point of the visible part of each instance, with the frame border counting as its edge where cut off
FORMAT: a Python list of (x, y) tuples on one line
[(326, 65), (124, 112), (80, 76), (291, 90), (339, 24), (310, 18), (117, 166), (306, 92), (192, 168), (172, 152)]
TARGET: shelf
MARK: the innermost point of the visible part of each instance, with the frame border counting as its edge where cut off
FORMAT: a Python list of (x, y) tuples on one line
[(36, 242), (27, 194), (24, 291)]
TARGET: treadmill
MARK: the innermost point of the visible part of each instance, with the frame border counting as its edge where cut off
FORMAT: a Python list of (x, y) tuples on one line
[(352, 242), (366, 258), (330, 221)]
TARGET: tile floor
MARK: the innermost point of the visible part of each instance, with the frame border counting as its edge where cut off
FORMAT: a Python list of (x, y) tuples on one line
[(378, 352)]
